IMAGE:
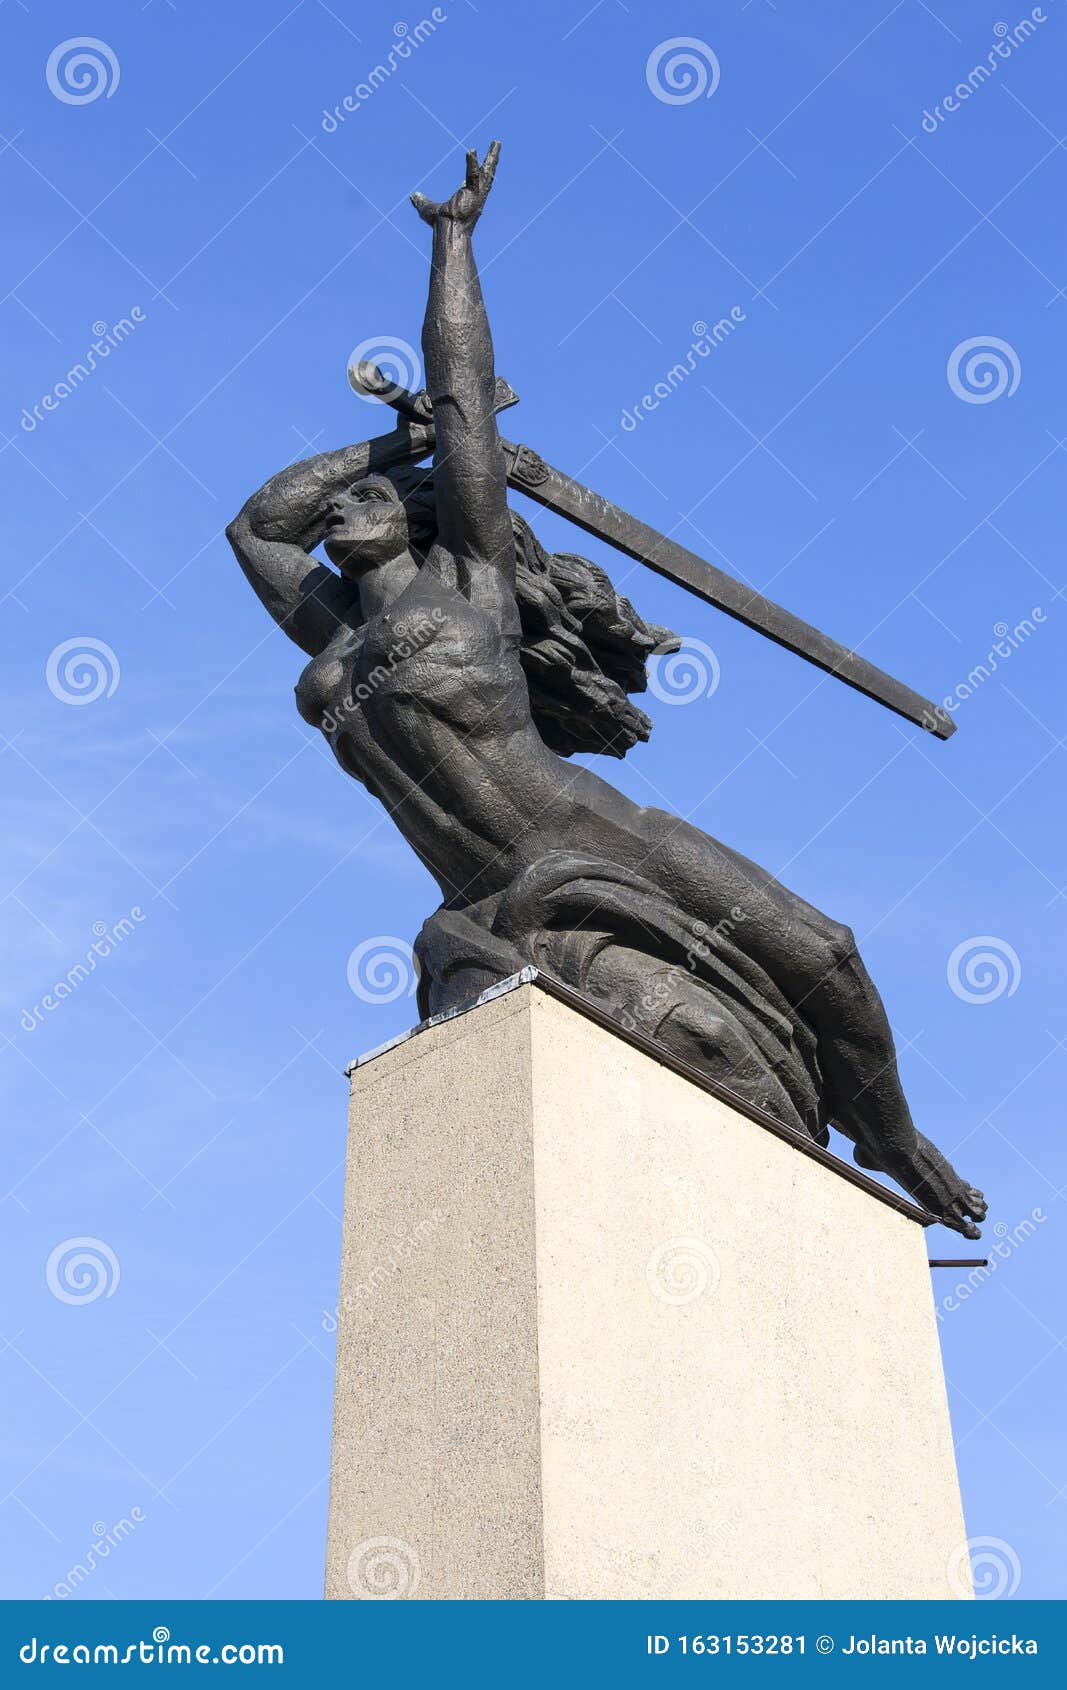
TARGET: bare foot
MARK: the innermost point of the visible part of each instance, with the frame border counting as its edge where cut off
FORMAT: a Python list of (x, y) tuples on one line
[(933, 1181), (963, 1210)]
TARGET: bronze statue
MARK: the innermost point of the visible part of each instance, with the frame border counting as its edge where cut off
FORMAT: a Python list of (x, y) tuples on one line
[(454, 667)]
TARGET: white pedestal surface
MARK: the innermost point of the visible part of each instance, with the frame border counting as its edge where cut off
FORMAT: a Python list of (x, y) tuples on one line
[(601, 1335)]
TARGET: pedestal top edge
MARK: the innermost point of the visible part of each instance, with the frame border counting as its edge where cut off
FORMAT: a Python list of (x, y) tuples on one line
[(499, 989), (593, 1012)]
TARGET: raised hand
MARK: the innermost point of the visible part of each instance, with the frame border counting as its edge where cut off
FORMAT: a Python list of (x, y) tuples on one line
[(465, 206)]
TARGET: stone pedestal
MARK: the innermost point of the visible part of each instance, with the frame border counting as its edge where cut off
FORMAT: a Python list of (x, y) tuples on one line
[(602, 1335)]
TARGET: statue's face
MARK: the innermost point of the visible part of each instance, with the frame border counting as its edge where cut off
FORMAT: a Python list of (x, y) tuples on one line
[(368, 526)]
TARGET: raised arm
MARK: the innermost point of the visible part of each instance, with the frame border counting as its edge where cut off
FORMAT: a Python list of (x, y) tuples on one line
[(278, 527), (469, 471)]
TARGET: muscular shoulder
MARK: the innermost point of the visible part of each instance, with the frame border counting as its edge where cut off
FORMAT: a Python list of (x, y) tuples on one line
[(483, 588), (432, 614)]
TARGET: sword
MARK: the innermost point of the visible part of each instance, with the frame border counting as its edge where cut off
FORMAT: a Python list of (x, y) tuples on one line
[(528, 472)]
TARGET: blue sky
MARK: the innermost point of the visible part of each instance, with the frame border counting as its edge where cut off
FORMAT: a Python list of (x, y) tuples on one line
[(184, 1106)]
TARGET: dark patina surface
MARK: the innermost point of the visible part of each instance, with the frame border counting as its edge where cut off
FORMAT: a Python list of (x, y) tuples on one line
[(454, 667)]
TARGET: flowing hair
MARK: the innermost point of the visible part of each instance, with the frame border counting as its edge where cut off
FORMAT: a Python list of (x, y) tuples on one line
[(583, 646)]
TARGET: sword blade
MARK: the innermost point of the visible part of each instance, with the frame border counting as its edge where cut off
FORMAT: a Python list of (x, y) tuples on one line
[(530, 474)]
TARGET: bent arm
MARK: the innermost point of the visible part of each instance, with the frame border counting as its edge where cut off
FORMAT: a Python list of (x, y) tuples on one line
[(281, 524)]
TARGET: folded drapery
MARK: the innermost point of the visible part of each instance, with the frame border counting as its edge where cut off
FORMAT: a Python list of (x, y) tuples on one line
[(621, 941)]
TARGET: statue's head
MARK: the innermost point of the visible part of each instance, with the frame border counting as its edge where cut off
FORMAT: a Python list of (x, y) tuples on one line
[(367, 526)]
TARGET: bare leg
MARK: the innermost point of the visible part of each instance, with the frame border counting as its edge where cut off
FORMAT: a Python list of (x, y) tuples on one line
[(868, 1100), (815, 963)]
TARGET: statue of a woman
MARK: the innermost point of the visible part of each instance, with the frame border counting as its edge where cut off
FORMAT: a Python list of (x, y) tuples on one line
[(455, 665)]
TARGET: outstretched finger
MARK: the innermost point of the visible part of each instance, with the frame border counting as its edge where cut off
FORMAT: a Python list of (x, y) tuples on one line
[(489, 166), (423, 206), (472, 168)]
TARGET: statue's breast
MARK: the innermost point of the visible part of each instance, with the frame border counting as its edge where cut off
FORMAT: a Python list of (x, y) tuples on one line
[(431, 656), (434, 655)]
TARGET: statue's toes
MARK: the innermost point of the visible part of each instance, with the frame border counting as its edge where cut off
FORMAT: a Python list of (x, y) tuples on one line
[(977, 1206), (968, 1208)]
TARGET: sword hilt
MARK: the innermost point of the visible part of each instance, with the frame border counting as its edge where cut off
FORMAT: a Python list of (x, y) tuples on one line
[(368, 379)]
